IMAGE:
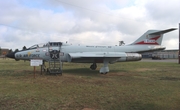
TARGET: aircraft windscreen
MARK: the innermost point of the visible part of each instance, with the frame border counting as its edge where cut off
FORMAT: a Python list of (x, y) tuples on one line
[(38, 46)]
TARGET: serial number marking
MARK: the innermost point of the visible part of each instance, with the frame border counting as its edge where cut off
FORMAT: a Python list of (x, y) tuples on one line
[(26, 55)]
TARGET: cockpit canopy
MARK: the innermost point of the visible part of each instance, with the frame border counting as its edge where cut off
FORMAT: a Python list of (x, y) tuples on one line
[(50, 44)]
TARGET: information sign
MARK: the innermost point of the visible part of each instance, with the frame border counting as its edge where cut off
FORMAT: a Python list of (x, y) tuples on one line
[(36, 62)]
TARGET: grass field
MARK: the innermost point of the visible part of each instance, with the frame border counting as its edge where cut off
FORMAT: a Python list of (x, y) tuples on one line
[(128, 86)]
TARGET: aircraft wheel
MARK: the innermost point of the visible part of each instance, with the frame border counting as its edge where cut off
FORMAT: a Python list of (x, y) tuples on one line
[(93, 66), (104, 73)]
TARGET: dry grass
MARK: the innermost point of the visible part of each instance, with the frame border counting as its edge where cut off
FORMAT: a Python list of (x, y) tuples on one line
[(128, 86)]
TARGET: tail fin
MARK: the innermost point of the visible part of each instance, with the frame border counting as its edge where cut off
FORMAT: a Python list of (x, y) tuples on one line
[(152, 37)]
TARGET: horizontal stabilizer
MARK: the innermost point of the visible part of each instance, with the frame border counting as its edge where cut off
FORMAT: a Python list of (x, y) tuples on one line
[(162, 32)]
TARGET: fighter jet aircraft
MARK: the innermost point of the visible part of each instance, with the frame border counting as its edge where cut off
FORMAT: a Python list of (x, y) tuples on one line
[(57, 52)]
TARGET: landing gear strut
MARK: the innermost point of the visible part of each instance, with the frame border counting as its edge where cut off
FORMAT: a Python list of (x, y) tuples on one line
[(93, 66), (105, 68)]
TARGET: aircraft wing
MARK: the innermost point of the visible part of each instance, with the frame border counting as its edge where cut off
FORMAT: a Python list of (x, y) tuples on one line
[(95, 56)]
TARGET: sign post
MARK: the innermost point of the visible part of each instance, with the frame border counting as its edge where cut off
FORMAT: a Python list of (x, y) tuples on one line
[(179, 43), (34, 71), (34, 63)]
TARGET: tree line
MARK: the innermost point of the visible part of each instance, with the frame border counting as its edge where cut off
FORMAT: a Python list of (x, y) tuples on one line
[(10, 50)]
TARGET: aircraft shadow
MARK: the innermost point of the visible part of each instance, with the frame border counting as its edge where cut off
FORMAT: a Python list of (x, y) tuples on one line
[(81, 71), (84, 71)]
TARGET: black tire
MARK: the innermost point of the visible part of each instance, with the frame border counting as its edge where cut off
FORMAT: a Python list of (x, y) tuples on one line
[(93, 66)]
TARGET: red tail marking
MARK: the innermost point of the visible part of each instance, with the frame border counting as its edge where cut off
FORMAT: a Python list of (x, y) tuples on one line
[(151, 41)]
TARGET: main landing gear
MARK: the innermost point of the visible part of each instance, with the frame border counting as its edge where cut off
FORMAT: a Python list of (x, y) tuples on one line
[(103, 70)]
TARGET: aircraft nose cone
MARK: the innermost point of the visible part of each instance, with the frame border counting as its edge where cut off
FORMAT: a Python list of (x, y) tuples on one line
[(11, 55)]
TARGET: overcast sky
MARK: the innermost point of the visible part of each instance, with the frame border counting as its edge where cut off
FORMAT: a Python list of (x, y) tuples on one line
[(85, 22)]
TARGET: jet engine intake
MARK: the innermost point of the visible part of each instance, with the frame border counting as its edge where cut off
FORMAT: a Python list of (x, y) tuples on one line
[(54, 54)]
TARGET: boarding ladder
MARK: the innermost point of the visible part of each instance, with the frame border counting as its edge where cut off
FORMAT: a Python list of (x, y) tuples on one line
[(55, 64)]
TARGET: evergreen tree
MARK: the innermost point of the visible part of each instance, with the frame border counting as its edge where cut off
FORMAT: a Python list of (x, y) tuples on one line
[(16, 50), (24, 48), (10, 51)]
